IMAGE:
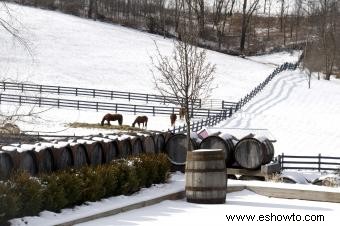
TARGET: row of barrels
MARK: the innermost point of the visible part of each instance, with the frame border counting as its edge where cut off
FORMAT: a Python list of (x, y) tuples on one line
[(62, 155), (249, 152)]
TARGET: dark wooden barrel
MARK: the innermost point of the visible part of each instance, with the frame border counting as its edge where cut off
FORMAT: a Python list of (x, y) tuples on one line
[(205, 174), (6, 165), (79, 153), (45, 160), (149, 144), (224, 143), (110, 148), (167, 136), (63, 157), (159, 143), (251, 153), (136, 146), (176, 149), (95, 153), (125, 148), (27, 161)]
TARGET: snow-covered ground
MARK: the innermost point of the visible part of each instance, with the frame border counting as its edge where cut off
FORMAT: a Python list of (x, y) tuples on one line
[(180, 212)]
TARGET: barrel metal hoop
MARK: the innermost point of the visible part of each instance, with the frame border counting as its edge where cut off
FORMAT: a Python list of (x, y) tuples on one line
[(205, 170), (206, 158), (207, 201), (190, 188)]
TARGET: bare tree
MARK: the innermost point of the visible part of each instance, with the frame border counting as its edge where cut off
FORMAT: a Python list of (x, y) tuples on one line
[(185, 74)]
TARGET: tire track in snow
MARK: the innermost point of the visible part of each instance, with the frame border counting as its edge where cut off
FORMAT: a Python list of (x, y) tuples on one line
[(274, 103)]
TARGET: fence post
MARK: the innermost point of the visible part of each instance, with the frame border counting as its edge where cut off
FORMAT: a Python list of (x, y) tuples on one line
[(319, 162), (19, 100), (147, 98), (94, 93), (40, 88), (134, 109), (222, 104), (22, 87), (76, 91), (39, 102), (200, 103), (116, 108), (111, 95), (78, 104), (58, 104), (0, 97), (208, 113), (282, 159), (129, 96), (58, 90), (4, 86), (97, 106), (153, 110)]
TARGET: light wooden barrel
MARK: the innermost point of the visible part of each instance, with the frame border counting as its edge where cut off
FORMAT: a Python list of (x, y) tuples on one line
[(80, 157), (136, 146), (159, 143), (6, 165), (149, 144), (124, 147), (205, 175), (251, 153), (63, 157), (45, 160), (95, 153), (224, 143)]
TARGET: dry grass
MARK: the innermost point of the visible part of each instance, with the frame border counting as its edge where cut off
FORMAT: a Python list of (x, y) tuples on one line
[(98, 126)]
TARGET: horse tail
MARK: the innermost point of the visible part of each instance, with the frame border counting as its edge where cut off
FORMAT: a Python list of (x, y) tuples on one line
[(102, 123), (146, 121)]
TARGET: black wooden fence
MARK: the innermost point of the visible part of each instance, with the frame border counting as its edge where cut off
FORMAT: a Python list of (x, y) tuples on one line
[(98, 106), (317, 162), (229, 107), (77, 91)]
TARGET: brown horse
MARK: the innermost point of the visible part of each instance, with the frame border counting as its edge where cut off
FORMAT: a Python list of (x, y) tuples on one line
[(173, 118), (112, 117), (139, 120), (182, 112)]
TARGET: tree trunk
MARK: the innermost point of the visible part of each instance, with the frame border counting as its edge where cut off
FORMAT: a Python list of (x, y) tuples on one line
[(244, 26)]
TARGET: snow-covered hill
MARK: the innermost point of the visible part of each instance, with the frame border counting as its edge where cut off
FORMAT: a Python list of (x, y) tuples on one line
[(68, 50)]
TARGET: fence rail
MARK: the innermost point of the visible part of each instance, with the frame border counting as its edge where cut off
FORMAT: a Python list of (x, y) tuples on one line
[(76, 91), (114, 107), (318, 162)]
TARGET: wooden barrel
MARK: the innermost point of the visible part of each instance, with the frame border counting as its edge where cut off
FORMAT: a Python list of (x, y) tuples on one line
[(45, 160), (159, 143), (176, 149), (224, 143), (149, 144), (27, 161), (79, 153), (205, 174), (136, 146), (251, 153), (124, 147), (95, 153), (6, 165), (167, 136), (110, 148), (63, 157)]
